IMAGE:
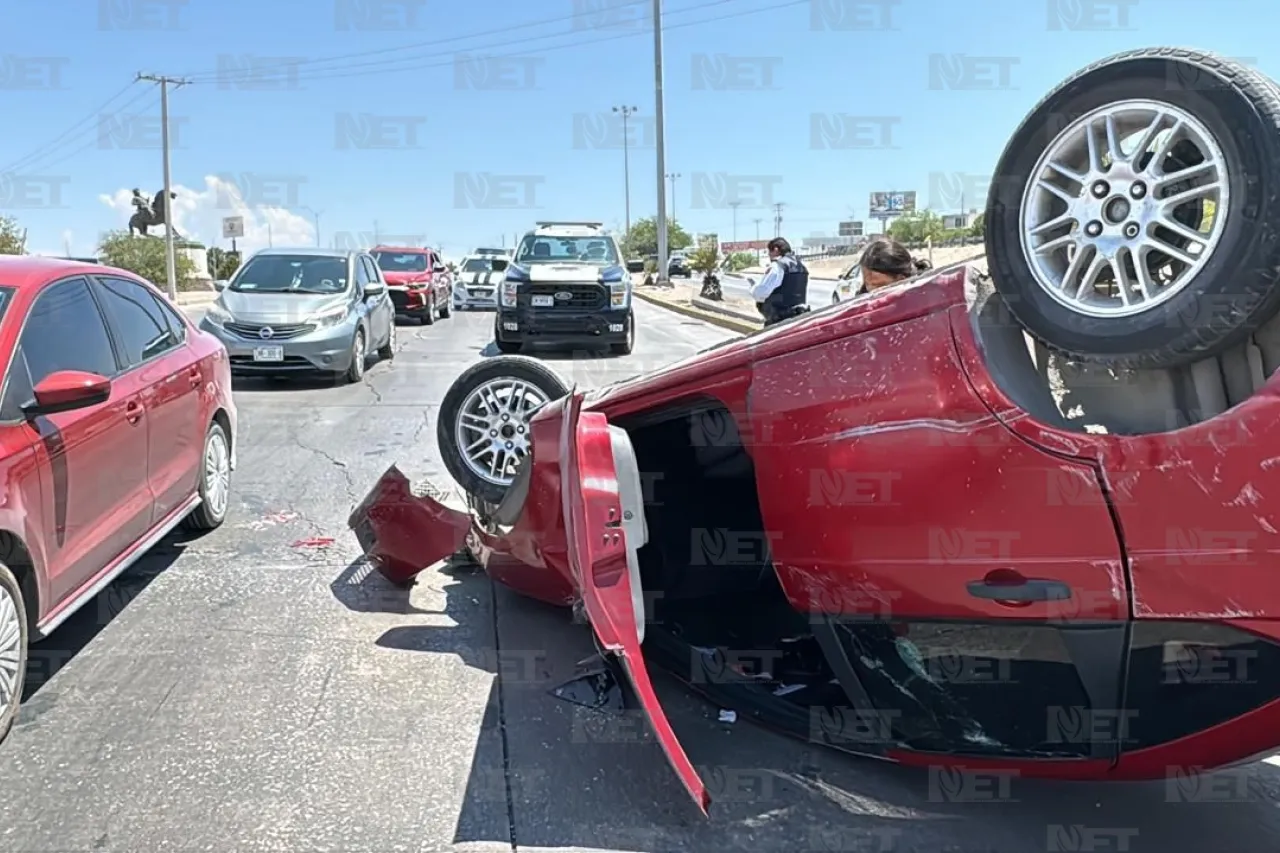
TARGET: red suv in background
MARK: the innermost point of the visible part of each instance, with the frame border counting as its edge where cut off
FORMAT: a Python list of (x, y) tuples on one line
[(418, 281), (116, 425)]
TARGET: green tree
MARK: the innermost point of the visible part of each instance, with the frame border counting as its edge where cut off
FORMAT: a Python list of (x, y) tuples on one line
[(144, 256), (979, 226), (742, 260), (11, 237), (642, 240), (223, 264), (705, 258), (917, 227)]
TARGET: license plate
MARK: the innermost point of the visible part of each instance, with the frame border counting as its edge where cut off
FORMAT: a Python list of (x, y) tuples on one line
[(268, 353), (543, 301)]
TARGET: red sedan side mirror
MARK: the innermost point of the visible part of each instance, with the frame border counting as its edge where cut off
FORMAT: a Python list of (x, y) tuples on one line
[(67, 390)]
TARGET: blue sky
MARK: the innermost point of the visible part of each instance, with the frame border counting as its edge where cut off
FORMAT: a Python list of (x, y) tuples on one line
[(741, 91)]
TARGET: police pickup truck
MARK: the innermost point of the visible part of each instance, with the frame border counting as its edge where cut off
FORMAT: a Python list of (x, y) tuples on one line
[(566, 284)]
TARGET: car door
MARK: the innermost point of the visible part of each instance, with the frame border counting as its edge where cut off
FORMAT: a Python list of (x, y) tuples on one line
[(94, 459), (169, 379), (441, 279), (971, 585), (598, 557), (380, 305)]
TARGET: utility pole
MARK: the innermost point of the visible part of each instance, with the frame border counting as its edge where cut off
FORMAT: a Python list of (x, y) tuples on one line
[(758, 221), (660, 140), (170, 265), (735, 205), (672, 178), (777, 219), (270, 240), (626, 161), (376, 241), (316, 215)]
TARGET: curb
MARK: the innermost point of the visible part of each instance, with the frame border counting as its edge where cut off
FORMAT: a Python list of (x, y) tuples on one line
[(733, 324), (716, 308), (187, 298)]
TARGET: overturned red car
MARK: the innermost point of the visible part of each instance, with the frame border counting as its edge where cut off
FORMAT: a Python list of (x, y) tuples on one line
[(1025, 521)]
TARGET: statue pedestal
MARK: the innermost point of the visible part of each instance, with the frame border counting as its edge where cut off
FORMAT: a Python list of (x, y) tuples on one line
[(199, 257)]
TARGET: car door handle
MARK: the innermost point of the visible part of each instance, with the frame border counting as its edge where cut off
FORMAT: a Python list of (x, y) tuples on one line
[(133, 412), (1019, 590), (194, 375)]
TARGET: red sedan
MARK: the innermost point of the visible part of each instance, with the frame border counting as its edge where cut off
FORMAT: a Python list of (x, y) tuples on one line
[(420, 284), (1023, 524), (116, 426)]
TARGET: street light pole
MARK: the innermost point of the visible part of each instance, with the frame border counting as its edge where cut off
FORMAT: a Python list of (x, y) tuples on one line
[(170, 263), (672, 177), (660, 141), (734, 205), (626, 164), (316, 216)]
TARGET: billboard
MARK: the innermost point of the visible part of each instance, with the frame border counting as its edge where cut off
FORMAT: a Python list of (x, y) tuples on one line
[(893, 203), (851, 229), (746, 246)]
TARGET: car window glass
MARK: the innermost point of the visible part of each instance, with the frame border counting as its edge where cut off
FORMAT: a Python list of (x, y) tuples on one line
[(144, 330), (362, 274), (371, 269), (48, 347), (18, 390), (176, 326)]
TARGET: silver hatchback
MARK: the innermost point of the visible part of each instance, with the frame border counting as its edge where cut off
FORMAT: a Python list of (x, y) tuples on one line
[(301, 310)]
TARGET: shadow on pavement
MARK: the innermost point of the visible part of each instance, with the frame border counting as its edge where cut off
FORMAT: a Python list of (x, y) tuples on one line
[(574, 778), (46, 658)]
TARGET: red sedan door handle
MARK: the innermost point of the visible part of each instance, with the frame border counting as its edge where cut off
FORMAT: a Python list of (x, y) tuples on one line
[(133, 413), (195, 377), (1009, 587)]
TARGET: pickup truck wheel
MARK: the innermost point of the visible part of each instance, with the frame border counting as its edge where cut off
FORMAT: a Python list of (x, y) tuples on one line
[(1133, 218), (627, 346), (483, 426), (13, 648), (446, 309)]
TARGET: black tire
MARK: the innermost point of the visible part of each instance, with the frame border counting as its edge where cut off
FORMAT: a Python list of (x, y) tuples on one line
[(525, 369), (1236, 291), (9, 711), (428, 315), (359, 353), (508, 347), (387, 351), (206, 516), (630, 345), (446, 309)]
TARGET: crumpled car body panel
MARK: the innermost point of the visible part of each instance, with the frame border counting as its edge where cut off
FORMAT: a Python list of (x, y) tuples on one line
[(915, 514)]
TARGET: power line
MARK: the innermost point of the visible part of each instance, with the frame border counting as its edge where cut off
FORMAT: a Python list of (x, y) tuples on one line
[(93, 142), (343, 72), (44, 149), (434, 44)]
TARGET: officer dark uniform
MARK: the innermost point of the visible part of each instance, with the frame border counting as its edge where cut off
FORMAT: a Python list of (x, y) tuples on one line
[(789, 298)]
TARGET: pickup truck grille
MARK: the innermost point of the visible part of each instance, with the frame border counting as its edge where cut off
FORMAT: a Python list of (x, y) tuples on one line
[(583, 297)]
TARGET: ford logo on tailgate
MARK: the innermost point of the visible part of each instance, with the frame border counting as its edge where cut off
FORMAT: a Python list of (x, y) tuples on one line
[(564, 295)]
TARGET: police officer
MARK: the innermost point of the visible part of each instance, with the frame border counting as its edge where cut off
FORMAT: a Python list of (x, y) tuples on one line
[(783, 291)]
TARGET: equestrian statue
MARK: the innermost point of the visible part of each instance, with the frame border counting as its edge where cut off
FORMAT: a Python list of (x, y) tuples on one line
[(149, 213)]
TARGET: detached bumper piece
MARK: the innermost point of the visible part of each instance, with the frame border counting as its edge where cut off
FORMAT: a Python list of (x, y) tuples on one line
[(404, 528)]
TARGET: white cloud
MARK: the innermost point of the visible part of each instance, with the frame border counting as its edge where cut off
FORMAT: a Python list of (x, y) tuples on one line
[(198, 216)]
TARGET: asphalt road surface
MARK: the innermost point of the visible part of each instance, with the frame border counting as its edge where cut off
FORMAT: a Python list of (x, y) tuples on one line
[(256, 690)]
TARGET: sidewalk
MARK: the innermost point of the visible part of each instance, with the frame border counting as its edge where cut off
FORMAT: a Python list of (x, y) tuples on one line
[(733, 314)]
